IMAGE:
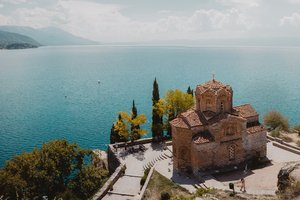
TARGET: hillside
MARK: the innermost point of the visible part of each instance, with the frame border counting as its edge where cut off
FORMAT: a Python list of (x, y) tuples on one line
[(10, 40), (49, 36)]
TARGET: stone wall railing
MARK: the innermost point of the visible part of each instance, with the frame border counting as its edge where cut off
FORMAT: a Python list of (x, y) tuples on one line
[(110, 182), (143, 190), (279, 140)]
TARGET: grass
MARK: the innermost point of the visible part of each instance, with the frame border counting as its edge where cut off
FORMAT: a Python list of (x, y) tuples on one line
[(158, 184), (161, 185)]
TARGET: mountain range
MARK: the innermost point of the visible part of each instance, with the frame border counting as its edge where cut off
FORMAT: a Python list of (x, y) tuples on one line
[(48, 36), (10, 40)]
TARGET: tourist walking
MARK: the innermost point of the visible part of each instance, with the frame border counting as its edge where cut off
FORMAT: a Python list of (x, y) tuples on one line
[(243, 186)]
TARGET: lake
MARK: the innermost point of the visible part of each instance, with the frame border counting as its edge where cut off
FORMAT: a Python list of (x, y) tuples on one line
[(53, 92)]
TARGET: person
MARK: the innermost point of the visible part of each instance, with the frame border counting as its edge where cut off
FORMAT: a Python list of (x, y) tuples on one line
[(243, 186)]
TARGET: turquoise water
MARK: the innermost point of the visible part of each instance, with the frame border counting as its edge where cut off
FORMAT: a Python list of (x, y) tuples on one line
[(53, 92)]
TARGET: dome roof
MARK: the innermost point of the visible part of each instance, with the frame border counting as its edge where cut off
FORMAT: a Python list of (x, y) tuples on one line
[(213, 85)]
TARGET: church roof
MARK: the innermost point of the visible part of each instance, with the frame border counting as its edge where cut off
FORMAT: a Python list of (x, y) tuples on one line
[(212, 85), (246, 111), (178, 122), (255, 129), (203, 137)]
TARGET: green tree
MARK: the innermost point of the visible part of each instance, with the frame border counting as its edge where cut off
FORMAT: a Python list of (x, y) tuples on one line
[(157, 120), (174, 103), (134, 114), (190, 91), (49, 171), (275, 119), (122, 127), (114, 135)]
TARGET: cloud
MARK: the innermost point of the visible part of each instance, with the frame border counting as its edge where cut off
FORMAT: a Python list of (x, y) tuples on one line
[(108, 23), (241, 3), (291, 20), (13, 1)]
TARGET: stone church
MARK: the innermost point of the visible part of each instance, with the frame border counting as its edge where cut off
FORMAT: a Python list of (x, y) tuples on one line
[(215, 133)]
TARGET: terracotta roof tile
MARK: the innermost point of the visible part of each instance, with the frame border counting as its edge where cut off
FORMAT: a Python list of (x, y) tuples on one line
[(179, 122), (213, 85), (255, 129), (191, 117), (246, 110), (203, 137)]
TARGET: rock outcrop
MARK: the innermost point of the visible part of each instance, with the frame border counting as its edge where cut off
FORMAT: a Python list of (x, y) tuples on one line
[(289, 181)]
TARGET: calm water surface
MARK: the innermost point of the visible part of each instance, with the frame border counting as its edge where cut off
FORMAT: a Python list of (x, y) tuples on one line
[(53, 92)]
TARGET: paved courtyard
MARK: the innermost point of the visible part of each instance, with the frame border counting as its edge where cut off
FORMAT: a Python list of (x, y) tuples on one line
[(259, 181)]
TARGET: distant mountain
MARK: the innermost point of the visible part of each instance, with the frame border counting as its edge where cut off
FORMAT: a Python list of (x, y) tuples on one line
[(49, 36), (10, 40)]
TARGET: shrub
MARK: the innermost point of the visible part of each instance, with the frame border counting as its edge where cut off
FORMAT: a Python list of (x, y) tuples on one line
[(298, 143), (275, 119), (143, 180), (164, 196), (297, 129), (275, 132), (201, 191)]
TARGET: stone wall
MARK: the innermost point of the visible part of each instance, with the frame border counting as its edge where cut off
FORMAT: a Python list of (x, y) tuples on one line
[(255, 144), (181, 142)]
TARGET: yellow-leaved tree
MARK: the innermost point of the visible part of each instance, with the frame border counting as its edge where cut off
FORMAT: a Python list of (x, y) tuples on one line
[(129, 127), (174, 103)]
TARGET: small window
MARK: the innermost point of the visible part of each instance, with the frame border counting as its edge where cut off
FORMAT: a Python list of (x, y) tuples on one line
[(231, 152), (222, 107)]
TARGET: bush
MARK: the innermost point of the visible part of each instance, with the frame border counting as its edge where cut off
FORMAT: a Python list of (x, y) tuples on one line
[(297, 129), (143, 180), (275, 119), (164, 196), (275, 132), (201, 191)]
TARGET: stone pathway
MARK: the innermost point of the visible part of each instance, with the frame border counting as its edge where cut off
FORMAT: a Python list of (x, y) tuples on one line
[(260, 181), (128, 186)]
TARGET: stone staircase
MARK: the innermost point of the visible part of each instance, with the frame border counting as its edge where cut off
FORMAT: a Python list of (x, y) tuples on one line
[(162, 156)]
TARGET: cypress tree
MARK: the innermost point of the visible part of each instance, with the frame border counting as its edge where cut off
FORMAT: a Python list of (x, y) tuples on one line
[(133, 116), (157, 121), (190, 91)]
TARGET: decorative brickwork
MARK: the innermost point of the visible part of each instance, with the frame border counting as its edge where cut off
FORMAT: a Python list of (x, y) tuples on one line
[(214, 133)]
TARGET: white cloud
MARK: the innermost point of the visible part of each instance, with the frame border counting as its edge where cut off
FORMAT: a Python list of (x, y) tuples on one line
[(240, 3), (294, 1), (13, 1), (291, 20)]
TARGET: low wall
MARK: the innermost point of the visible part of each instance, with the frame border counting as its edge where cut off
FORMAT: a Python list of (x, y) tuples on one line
[(282, 142), (146, 183), (110, 182), (286, 148)]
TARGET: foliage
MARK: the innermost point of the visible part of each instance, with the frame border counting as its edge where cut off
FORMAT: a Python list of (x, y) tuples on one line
[(164, 196), (297, 128), (143, 179), (275, 132), (114, 135), (51, 171), (298, 143), (133, 116), (275, 119), (176, 102), (157, 121), (201, 191), (190, 91), (122, 126)]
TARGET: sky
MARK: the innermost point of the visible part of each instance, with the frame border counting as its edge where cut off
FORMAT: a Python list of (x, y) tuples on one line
[(158, 20)]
